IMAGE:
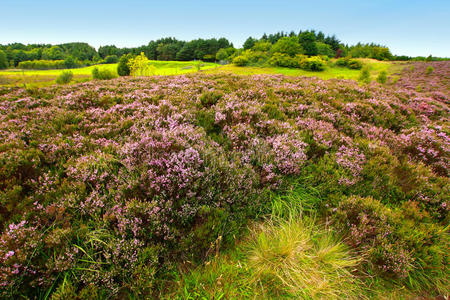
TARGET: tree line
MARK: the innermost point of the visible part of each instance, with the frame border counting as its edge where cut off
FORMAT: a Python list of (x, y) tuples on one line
[(77, 54)]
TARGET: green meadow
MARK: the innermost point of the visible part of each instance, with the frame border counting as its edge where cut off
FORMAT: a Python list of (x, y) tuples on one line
[(19, 77), (331, 71)]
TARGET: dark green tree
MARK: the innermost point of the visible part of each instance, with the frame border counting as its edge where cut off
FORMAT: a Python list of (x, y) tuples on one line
[(308, 41), (249, 43), (3, 60), (123, 69)]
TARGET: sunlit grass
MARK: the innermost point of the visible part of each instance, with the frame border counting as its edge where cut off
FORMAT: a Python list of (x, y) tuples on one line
[(47, 77), (329, 73)]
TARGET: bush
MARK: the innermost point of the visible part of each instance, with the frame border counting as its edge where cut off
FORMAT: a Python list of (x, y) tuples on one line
[(284, 60), (382, 77), (341, 62), (42, 64), (364, 77), (429, 70), (102, 74), (354, 64), (349, 63), (111, 59), (313, 63), (240, 60), (370, 228), (70, 62), (64, 77), (250, 57), (123, 68)]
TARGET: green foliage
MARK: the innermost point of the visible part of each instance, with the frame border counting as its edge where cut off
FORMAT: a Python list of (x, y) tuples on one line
[(111, 59), (208, 99), (288, 46), (370, 51), (262, 46), (249, 43), (102, 74), (64, 77), (123, 69), (42, 64), (225, 54), (3, 60), (70, 62), (395, 241), (364, 76), (284, 60), (382, 77), (240, 60), (313, 63), (250, 57), (325, 49), (429, 70), (308, 42), (287, 256), (353, 64), (139, 66)]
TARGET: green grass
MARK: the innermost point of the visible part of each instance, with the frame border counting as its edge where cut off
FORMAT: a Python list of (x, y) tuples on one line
[(47, 77), (14, 77), (329, 73), (288, 256)]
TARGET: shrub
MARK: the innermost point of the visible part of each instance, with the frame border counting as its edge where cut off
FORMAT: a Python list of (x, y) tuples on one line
[(123, 68), (284, 60), (341, 62), (313, 63), (364, 76), (64, 77), (103, 74), (382, 77), (111, 59), (354, 64), (349, 63), (240, 60), (139, 65), (429, 70), (42, 64), (70, 62), (370, 227)]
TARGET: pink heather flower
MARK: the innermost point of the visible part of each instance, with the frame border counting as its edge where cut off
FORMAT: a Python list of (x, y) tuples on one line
[(9, 254)]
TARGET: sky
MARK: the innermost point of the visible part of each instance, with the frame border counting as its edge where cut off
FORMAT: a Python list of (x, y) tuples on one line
[(407, 27)]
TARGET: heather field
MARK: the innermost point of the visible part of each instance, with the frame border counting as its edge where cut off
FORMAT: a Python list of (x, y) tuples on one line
[(225, 186)]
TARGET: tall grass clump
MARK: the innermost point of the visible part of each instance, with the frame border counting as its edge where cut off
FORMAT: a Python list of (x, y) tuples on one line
[(382, 77), (364, 76), (286, 256), (102, 74), (64, 77), (295, 257)]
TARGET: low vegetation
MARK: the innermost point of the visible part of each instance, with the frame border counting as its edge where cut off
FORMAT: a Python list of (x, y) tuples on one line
[(161, 187)]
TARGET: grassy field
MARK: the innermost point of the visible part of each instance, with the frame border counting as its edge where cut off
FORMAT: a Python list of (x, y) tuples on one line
[(330, 72), (47, 77), (14, 77)]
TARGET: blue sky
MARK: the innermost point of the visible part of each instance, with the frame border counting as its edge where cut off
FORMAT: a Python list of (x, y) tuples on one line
[(409, 27)]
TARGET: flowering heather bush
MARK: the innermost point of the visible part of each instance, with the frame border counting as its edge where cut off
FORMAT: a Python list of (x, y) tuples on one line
[(106, 184)]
